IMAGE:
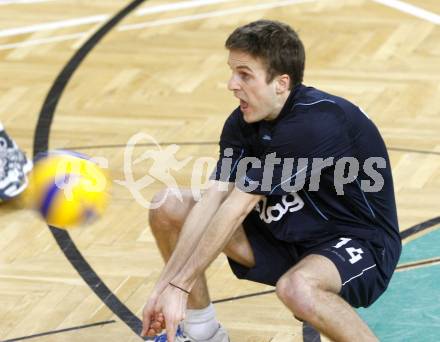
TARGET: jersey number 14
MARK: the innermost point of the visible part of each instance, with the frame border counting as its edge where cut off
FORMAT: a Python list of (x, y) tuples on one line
[(354, 253)]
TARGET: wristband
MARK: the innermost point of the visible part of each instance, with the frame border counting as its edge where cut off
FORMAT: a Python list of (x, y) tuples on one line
[(178, 287)]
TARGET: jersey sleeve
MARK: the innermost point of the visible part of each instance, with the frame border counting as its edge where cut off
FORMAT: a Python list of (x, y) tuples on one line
[(232, 150), (301, 144)]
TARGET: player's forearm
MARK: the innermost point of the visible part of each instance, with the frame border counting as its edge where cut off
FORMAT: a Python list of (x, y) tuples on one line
[(214, 240), (191, 233)]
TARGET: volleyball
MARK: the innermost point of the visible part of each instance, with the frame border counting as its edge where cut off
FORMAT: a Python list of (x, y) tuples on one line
[(68, 189)]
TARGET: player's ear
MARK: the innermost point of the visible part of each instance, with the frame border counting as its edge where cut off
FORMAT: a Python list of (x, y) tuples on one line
[(283, 83)]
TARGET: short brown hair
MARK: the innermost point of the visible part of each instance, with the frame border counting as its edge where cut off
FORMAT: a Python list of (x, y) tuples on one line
[(276, 43)]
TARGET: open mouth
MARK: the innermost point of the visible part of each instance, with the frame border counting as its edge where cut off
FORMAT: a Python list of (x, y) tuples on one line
[(243, 105)]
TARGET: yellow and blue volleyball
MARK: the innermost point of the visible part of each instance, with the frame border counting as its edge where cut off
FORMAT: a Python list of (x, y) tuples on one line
[(68, 189)]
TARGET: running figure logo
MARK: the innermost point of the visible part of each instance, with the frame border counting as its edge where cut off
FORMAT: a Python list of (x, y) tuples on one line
[(164, 161)]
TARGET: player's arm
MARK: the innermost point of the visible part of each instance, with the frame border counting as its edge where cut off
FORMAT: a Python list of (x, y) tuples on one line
[(215, 237), (193, 229), (204, 210), (171, 303), (189, 237)]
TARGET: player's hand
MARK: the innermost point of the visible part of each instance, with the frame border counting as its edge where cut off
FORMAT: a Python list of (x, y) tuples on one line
[(150, 318), (172, 305), (152, 322)]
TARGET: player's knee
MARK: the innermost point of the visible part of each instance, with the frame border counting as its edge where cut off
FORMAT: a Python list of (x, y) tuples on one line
[(167, 213), (296, 291)]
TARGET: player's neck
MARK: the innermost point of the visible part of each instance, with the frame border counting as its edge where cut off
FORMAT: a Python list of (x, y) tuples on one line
[(279, 105)]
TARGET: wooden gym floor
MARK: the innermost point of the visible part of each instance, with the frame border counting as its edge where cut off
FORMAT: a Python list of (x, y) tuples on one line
[(160, 75)]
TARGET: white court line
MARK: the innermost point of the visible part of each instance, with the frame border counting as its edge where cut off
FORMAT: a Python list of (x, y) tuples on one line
[(178, 5), (154, 23), (213, 14), (53, 25), (13, 2), (103, 17), (411, 9), (63, 280), (42, 41)]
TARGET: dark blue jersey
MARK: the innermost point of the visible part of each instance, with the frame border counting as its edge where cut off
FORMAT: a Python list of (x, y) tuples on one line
[(308, 199)]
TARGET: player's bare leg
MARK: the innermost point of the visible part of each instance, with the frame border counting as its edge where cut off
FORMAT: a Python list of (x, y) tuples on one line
[(310, 290)]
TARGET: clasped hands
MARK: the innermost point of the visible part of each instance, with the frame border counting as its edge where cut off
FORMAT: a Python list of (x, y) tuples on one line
[(164, 310)]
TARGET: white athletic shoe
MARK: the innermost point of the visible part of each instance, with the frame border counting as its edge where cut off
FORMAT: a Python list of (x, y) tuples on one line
[(220, 335), (14, 167)]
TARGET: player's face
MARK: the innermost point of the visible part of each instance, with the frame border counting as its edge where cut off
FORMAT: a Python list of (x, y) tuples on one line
[(259, 100)]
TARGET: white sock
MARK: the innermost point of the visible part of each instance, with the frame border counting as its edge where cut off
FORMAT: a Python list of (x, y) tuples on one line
[(201, 324)]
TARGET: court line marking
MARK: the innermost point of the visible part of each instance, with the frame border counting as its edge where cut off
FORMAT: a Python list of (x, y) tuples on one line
[(70, 281), (418, 264), (21, 2), (212, 14), (53, 25), (60, 331), (41, 144), (178, 5), (174, 20), (102, 17), (411, 9), (43, 41), (397, 4), (419, 228)]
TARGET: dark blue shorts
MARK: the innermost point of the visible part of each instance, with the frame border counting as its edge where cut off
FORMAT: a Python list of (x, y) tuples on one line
[(363, 280)]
